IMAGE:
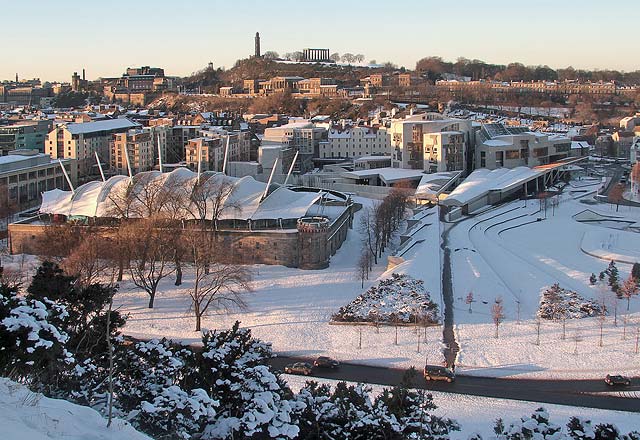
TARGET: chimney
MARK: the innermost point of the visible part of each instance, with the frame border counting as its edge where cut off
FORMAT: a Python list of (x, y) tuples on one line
[(16, 77), (83, 78)]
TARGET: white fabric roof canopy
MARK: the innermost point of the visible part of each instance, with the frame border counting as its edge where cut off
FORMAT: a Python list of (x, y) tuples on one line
[(103, 199)]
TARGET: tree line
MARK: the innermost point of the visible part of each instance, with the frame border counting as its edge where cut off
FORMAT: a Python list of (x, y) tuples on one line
[(434, 67)]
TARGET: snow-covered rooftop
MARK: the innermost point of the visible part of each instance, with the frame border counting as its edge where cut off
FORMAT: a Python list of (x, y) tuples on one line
[(482, 181), (387, 174), (106, 125)]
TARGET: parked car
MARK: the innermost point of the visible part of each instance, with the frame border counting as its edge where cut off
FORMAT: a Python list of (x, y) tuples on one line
[(617, 379), (298, 368), (326, 362), (436, 372)]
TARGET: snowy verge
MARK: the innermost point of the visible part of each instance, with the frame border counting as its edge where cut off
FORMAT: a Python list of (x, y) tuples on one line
[(25, 415)]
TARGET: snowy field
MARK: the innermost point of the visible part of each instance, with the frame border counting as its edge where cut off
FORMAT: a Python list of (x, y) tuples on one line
[(477, 414), (502, 252), (25, 415), (291, 308), (507, 252)]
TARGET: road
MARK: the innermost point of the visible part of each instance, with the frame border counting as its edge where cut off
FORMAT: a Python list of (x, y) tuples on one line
[(586, 393)]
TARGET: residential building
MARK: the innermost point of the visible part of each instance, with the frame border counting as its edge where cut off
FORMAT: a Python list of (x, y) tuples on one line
[(630, 122), (501, 146), (24, 135), (209, 147), (136, 144), (353, 141), (82, 141), (432, 142), (303, 136)]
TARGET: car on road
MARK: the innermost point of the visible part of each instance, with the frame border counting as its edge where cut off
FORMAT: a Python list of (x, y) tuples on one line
[(616, 379), (299, 368), (436, 372), (326, 362)]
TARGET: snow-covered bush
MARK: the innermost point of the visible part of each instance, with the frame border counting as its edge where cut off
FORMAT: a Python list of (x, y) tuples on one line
[(400, 298), (252, 399), (349, 412), (178, 413), (32, 340), (536, 427), (557, 303)]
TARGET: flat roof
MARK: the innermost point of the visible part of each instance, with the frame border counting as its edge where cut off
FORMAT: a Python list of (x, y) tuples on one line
[(104, 125)]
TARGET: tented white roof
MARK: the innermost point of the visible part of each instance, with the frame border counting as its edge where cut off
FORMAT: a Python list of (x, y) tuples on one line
[(482, 181), (105, 199)]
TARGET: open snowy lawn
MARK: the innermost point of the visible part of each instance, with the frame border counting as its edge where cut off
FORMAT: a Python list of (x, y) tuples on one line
[(477, 414), (290, 308), (30, 416)]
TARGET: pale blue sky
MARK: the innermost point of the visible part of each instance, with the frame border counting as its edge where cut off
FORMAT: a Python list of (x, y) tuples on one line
[(52, 38)]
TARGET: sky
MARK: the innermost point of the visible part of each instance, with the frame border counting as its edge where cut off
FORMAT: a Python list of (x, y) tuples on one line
[(51, 39)]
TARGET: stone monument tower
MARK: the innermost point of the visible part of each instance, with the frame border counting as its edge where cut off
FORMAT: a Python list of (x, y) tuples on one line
[(257, 54)]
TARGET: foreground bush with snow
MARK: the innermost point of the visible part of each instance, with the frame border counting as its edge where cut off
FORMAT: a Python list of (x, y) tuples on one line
[(557, 303), (399, 299)]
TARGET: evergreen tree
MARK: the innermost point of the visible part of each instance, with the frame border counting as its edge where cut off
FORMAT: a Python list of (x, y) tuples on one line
[(614, 280), (635, 272), (33, 343), (593, 279), (252, 400)]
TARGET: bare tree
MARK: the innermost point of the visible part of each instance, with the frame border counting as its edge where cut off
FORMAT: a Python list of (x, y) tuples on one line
[(469, 301), (615, 194), (216, 285), (497, 313), (364, 263), (86, 261), (629, 288), (151, 248)]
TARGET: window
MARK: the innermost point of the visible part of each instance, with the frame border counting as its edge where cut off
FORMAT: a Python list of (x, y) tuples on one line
[(512, 154), (483, 159)]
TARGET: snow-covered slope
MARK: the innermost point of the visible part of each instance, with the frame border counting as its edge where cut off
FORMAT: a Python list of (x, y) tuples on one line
[(31, 416)]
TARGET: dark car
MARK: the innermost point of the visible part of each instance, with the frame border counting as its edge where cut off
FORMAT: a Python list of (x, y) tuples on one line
[(326, 362), (436, 372), (612, 380), (298, 368)]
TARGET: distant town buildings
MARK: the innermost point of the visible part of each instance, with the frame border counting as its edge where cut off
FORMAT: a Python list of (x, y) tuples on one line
[(137, 85)]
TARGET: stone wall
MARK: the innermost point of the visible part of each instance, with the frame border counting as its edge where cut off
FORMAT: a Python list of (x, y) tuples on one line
[(288, 247)]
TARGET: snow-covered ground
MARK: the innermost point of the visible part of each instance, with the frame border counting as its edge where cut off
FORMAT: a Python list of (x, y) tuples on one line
[(507, 252), (477, 414), (291, 308), (25, 415), (504, 252)]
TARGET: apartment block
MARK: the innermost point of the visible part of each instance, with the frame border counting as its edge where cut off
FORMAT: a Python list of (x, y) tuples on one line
[(353, 141), (80, 141), (26, 174), (137, 144), (432, 142)]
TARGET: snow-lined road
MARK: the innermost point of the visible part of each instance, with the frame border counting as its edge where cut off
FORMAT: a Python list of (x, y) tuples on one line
[(586, 393)]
